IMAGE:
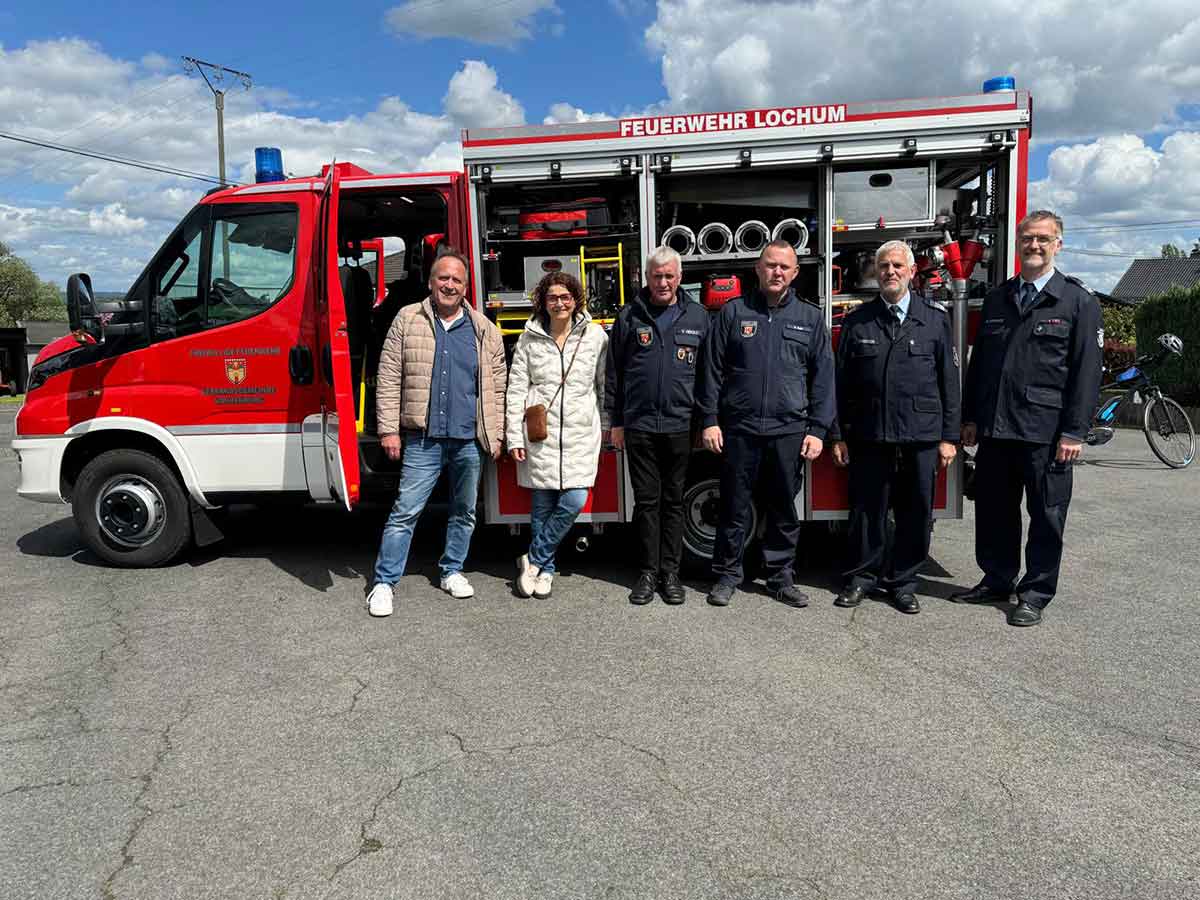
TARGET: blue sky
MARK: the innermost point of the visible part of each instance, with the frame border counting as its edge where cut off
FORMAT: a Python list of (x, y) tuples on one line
[(1117, 95)]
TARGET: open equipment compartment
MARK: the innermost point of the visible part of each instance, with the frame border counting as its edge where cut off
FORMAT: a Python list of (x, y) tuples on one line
[(589, 228), (720, 219)]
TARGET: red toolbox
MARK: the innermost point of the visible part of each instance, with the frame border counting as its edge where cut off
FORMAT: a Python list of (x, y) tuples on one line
[(576, 218)]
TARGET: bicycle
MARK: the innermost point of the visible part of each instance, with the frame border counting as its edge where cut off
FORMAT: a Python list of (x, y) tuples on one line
[(1168, 430)]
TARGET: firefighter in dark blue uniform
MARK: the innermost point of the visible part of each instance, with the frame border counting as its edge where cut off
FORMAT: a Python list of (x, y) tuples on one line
[(766, 398), (1030, 391), (653, 354), (898, 424)]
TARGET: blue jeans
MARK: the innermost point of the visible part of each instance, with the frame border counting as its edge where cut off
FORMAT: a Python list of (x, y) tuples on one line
[(551, 516), (424, 459)]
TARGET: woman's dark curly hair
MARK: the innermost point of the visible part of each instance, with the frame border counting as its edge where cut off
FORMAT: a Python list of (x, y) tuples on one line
[(567, 280)]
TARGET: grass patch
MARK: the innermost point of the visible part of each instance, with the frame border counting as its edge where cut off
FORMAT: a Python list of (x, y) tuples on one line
[(12, 401)]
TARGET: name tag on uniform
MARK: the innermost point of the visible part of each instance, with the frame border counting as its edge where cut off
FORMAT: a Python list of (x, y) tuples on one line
[(749, 328), (694, 331), (792, 327), (865, 341)]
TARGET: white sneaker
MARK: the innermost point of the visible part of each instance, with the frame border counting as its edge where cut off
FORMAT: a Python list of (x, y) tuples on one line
[(379, 601), (526, 576), (457, 586), (542, 585)]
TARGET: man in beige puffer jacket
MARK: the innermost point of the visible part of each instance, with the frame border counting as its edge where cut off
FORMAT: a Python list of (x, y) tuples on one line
[(440, 398)]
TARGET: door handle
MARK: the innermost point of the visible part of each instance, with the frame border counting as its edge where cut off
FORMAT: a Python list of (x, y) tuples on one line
[(300, 364)]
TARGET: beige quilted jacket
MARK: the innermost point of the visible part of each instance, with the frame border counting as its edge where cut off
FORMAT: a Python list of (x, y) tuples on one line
[(406, 373)]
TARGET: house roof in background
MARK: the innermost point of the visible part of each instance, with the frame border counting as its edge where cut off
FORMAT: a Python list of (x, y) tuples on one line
[(1146, 277)]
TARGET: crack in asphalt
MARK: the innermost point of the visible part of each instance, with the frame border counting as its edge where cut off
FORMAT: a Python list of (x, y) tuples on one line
[(66, 782), (368, 843), (147, 812)]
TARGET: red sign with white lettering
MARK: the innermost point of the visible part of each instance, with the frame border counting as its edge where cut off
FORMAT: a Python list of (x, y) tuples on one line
[(778, 117)]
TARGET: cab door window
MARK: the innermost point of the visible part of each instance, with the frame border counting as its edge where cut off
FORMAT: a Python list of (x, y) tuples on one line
[(251, 264), (222, 266), (178, 305)]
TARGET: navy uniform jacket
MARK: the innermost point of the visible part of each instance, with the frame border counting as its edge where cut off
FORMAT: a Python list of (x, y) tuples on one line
[(651, 376), (1036, 375), (900, 391), (768, 371)]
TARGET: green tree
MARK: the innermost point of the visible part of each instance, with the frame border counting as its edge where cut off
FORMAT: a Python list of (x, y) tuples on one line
[(24, 296), (18, 288), (1170, 251), (51, 304)]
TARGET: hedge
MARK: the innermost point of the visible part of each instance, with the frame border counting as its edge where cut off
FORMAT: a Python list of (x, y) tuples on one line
[(1177, 311), (1119, 324)]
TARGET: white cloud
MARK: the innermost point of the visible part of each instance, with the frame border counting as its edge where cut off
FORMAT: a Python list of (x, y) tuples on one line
[(474, 99), (1093, 70), (49, 89), (1120, 181), (565, 113), (114, 220), (501, 24)]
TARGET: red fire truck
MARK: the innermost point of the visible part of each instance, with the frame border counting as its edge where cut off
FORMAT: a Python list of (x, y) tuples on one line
[(240, 365)]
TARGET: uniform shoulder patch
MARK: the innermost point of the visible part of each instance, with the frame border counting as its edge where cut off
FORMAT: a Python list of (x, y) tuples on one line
[(1080, 283)]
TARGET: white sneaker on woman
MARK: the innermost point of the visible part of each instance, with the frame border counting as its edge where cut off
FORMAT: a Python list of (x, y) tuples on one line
[(542, 585), (526, 576), (457, 586), (379, 601)]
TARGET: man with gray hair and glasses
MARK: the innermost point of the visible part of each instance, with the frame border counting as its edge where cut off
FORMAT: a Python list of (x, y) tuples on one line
[(898, 405), (652, 358)]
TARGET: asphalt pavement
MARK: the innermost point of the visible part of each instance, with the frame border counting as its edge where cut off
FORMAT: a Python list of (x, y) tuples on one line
[(237, 726)]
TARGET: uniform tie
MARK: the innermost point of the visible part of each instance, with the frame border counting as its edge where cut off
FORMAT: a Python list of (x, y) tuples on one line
[(895, 310), (1029, 293)]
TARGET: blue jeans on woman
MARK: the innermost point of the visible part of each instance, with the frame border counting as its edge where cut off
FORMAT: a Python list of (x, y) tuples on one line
[(424, 459), (551, 516)]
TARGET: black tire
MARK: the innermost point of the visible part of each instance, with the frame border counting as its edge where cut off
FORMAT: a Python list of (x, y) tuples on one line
[(700, 514), (131, 509), (1169, 432)]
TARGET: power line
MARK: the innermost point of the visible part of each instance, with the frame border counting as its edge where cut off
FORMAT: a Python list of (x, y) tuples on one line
[(119, 160), (1083, 252), (1134, 226)]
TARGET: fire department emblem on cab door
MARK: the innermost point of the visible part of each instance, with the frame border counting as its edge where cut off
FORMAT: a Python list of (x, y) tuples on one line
[(235, 370)]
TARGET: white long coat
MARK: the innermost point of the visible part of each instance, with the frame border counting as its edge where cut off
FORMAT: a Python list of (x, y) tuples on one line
[(569, 455)]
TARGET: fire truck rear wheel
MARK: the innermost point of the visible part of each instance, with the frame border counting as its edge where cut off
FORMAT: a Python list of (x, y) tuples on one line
[(131, 509), (701, 511)]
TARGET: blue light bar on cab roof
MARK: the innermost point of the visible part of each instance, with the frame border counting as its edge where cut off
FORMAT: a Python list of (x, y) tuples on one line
[(1000, 83), (268, 164)]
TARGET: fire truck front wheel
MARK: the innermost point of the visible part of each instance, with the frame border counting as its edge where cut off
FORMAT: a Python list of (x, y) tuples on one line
[(131, 509)]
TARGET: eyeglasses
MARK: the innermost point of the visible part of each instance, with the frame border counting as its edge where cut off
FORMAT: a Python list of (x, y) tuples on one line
[(1042, 240), (560, 300)]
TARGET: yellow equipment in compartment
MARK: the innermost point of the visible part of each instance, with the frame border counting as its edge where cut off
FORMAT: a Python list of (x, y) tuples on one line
[(607, 257), (512, 322)]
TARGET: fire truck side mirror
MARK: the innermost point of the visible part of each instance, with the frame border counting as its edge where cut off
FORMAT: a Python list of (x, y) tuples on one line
[(81, 307)]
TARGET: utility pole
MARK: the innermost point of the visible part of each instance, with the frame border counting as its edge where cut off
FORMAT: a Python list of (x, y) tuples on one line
[(191, 64), (215, 84)]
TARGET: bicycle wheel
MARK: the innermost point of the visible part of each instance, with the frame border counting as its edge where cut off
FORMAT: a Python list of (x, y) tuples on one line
[(1169, 432)]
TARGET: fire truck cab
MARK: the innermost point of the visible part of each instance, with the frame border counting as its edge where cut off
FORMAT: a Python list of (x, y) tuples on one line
[(240, 366)]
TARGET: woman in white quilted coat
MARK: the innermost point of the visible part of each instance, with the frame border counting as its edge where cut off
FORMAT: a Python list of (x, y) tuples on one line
[(560, 342)]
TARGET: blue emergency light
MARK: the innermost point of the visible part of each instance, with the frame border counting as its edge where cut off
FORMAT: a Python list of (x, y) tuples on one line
[(268, 164), (1000, 83)]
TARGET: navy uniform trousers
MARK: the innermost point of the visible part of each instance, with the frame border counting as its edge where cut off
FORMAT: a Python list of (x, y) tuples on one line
[(749, 461), (902, 476), (1003, 469)]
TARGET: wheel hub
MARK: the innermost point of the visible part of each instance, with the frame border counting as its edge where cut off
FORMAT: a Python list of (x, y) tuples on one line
[(130, 511)]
